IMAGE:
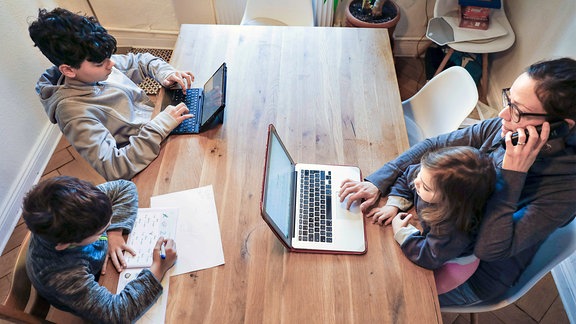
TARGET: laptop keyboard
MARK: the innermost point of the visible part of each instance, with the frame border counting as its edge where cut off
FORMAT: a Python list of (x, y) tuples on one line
[(191, 101), (315, 215)]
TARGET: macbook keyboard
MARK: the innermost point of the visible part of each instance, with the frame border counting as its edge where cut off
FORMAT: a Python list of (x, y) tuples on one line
[(315, 214)]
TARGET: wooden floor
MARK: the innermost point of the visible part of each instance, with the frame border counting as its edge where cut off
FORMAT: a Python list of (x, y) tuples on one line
[(542, 304)]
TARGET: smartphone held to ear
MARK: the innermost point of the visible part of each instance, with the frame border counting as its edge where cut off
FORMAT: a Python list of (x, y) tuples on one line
[(557, 129)]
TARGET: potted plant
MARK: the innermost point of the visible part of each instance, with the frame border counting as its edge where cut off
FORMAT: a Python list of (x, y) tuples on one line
[(373, 14)]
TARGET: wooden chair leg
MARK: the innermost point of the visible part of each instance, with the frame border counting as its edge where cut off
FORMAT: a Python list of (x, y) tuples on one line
[(38, 305), (484, 80), (473, 318), (444, 61)]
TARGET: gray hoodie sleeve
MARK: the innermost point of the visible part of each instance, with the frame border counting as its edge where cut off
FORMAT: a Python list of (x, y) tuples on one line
[(98, 146), (75, 287), (139, 66), (124, 197)]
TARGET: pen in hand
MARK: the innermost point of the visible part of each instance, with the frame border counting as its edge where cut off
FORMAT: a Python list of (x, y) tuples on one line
[(163, 251)]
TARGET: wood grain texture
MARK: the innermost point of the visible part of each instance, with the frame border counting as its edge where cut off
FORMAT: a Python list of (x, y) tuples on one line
[(333, 95)]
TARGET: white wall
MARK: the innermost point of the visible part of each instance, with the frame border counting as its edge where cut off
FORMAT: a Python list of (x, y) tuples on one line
[(409, 34), (26, 136), (544, 30), (146, 18), (409, 37)]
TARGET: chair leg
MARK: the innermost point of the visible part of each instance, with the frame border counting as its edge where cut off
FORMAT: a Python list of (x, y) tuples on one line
[(484, 80), (444, 61), (473, 318), (39, 306)]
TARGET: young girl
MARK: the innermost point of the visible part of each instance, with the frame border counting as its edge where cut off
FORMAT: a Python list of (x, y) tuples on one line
[(449, 189)]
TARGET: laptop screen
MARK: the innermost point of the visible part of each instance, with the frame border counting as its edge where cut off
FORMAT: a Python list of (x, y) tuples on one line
[(278, 188), (214, 94)]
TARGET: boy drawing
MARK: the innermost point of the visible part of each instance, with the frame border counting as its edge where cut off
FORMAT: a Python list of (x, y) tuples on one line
[(93, 95), (76, 229)]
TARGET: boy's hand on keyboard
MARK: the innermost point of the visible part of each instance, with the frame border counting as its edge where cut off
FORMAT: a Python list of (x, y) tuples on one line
[(179, 112), (181, 78), (116, 246), (159, 265)]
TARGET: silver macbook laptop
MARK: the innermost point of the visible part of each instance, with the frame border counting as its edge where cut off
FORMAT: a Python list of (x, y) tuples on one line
[(300, 204)]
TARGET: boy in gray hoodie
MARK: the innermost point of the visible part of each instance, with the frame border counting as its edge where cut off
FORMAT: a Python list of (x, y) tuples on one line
[(93, 96)]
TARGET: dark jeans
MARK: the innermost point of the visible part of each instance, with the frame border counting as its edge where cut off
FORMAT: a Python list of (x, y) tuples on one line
[(461, 295)]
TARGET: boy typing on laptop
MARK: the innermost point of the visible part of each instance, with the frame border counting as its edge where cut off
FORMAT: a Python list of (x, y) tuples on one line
[(93, 97)]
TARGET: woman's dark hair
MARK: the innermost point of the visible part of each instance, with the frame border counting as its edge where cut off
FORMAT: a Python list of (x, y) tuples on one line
[(68, 38), (465, 178), (556, 86), (66, 210)]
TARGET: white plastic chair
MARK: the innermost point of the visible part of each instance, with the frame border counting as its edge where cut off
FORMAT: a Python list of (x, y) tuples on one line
[(498, 44), (485, 46), (441, 105), (559, 246), (278, 13)]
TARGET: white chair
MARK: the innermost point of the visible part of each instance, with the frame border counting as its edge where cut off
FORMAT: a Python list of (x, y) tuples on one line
[(441, 105), (560, 245), (278, 13), (484, 47)]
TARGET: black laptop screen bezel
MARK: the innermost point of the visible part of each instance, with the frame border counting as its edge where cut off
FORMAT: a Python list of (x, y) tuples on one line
[(202, 122)]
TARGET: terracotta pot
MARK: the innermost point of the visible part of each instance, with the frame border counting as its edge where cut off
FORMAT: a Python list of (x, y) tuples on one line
[(352, 21)]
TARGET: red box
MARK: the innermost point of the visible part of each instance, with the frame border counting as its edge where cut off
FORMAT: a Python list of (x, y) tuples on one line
[(473, 24), (474, 17), (475, 13)]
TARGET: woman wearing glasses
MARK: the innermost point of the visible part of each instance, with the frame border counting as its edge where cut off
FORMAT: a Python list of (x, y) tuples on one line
[(537, 175)]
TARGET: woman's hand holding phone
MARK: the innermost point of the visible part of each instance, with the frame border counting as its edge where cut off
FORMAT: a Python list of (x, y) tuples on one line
[(521, 156), (558, 128)]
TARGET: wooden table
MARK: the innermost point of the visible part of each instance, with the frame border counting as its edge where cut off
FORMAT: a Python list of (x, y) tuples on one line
[(332, 94)]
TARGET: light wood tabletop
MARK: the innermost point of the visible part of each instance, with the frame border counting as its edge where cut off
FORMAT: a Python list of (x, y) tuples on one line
[(333, 96)]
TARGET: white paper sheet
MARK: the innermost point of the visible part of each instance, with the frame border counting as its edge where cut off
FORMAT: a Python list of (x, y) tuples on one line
[(156, 313), (198, 242)]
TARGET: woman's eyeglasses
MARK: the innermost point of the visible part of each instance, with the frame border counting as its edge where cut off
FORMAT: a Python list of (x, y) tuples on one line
[(515, 112)]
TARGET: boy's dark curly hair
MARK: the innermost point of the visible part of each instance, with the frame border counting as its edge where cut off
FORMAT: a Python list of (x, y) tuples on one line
[(68, 38), (66, 210)]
